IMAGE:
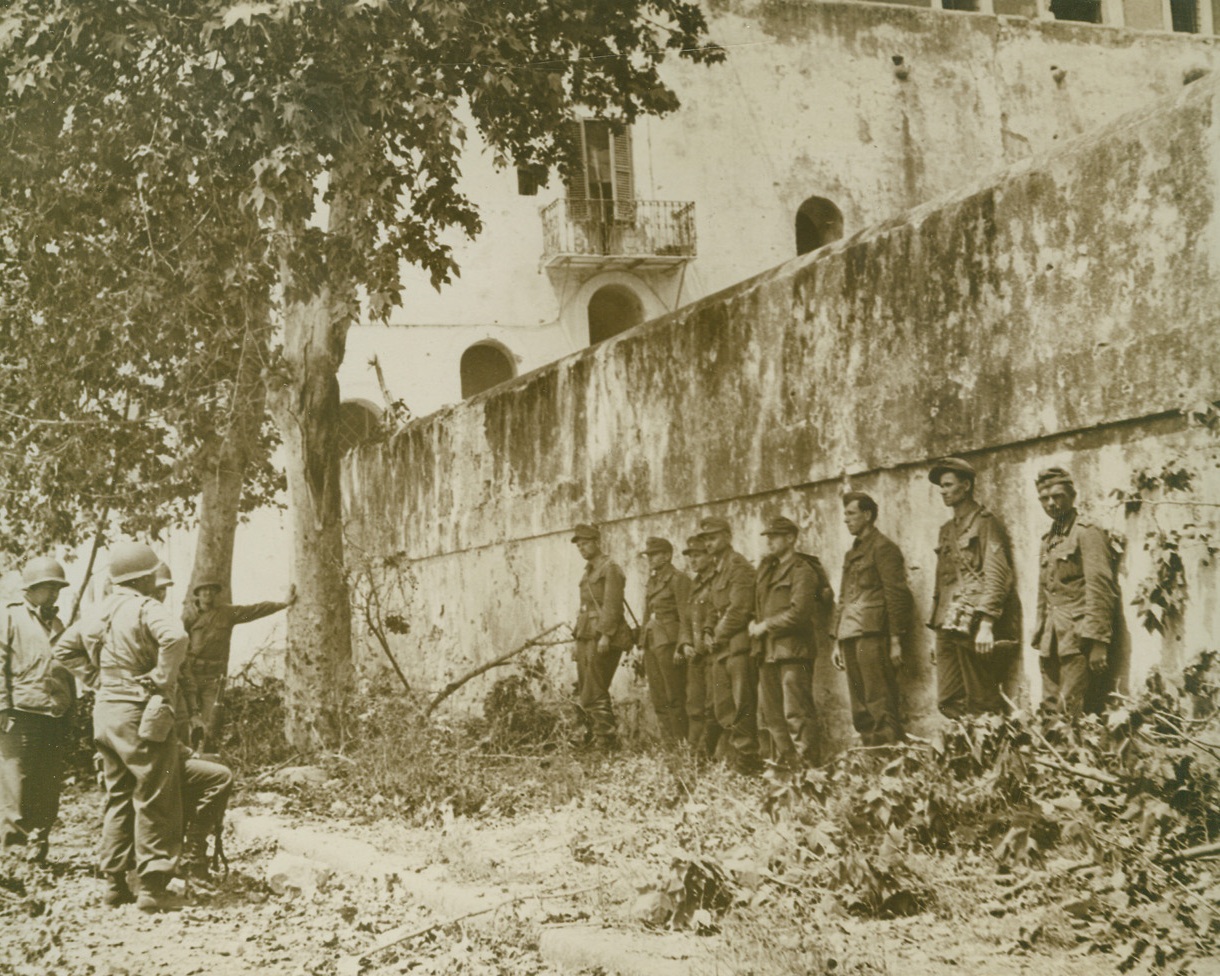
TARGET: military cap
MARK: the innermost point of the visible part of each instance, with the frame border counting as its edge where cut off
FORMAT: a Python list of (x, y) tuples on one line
[(656, 544), (1053, 476), (694, 545), (586, 531), (713, 524), (950, 465), (780, 525)]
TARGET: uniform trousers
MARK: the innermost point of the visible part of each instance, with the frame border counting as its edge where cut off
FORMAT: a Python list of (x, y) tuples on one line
[(31, 775), (967, 683), (142, 822), (785, 706), (735, 702), (1065, 682), (594, 674), (206, 786), (208, 686), (667, 689), (703, 732), (873, 687)]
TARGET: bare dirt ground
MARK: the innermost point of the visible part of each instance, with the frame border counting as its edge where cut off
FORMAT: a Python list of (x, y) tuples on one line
[(564, 889)]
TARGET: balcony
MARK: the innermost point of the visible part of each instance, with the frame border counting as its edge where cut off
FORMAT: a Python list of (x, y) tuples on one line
[(618, 234)]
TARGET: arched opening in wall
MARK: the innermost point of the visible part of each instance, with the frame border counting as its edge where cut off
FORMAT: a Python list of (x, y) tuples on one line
[(613, 309), (483, 366), (818, 222), (359, 423)]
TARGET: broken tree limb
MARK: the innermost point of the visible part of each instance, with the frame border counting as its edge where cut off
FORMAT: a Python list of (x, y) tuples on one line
[(1193, 853), (538, 640)]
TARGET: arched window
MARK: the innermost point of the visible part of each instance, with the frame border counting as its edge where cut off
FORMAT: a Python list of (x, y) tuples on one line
[(359, 422), (818, 222), (483, 366), (613, 309)]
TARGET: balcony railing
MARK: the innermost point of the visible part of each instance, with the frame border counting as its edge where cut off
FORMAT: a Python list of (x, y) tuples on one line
[(627, 232)]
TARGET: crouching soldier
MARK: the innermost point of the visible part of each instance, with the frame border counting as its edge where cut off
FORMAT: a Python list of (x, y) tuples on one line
[(602, 635), (785, 605), (35, 700), (206, 786)]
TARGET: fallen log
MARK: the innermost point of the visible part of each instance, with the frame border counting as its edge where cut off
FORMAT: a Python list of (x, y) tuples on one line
[(538, 640), (1192, 853)]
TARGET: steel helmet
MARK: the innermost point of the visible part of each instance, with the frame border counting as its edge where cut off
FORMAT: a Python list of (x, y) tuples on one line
[(164, 576), (44, 569), (130, 561), (207, 584)]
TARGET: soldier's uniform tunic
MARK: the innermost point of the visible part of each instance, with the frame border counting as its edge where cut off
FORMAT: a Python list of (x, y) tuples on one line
[(601, 614), (703, 731), (1078, 600), (35, 697), (734, 674), (134, 643), (875, 604), (666, 619)]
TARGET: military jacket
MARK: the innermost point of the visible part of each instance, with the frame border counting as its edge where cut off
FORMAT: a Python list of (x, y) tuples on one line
[(732, 605), (701, 615), (974, 563), (33, 680), (601, 603), (211, 633), (874, 597), (133, 640), (785, 602), (1077, 591), (666, 608)]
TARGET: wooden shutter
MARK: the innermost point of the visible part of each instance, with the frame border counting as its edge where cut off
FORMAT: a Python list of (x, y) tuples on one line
[(624, 174), (578, 183)]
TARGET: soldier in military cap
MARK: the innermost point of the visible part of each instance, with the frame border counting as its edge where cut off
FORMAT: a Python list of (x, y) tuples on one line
[(702, 731), (975, 602), (785, 606), (666, 618), (1078, 599), (873, 620), (727, 637), (35, 699), (602, 634)]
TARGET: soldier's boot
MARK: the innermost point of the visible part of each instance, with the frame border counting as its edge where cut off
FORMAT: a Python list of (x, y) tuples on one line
[(118, 892), (194, 868), (153, 895)]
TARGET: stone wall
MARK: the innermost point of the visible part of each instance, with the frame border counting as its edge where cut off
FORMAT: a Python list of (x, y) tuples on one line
[(1062, 314)]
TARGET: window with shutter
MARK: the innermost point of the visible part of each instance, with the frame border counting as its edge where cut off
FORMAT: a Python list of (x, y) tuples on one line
[(578, 183), (624, 175)]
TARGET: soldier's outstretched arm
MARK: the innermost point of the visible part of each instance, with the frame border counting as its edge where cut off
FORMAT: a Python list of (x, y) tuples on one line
[(244, 613)]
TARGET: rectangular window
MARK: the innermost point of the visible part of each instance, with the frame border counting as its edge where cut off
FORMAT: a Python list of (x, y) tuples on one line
[(1086, 11), (605, 186), (1185, 14), (971, 5), (528, 181)]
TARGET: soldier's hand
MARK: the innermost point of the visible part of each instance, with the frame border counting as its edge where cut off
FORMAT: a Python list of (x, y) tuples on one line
[(757, 628), (984, 640), (197, 723), (896, 651), (603, 644), (1095, 653), (836, 658), (685, 652)]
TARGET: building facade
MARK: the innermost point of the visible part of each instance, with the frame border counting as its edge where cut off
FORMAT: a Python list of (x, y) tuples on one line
[(826, 118)]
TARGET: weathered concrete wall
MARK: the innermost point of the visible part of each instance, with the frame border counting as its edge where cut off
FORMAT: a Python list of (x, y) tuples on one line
[(1062, 314), (808, 103)]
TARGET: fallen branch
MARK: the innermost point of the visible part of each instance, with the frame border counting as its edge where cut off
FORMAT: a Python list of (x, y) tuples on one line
[(1193, 853), (535, 641), (400, 935), (1094, 774)]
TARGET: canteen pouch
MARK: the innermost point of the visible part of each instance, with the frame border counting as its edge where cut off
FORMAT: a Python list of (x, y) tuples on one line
[(157, 722), (960, 617)]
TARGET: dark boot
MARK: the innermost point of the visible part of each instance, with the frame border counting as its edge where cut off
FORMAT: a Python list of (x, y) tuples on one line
[(118, 893), (153, 896)]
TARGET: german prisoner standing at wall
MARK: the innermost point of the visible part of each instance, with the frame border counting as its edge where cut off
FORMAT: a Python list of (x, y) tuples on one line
[(1078, 600), (975, 603), (602, 635), (666, 617), (785, 604), (734, 676), (702, 728), (872, 623)]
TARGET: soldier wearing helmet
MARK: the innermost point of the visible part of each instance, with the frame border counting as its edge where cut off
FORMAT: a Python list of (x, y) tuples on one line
[(131, 651), (35, 698)]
